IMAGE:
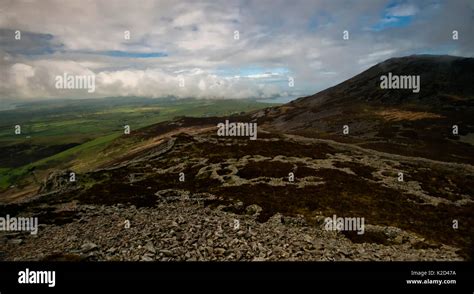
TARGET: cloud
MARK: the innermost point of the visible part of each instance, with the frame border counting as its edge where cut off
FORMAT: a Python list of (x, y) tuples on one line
[(196, 41), (38, 80), (402, 10)]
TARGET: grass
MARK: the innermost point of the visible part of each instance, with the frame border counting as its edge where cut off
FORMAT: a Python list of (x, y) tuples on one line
[(91, 125), (97, 118)]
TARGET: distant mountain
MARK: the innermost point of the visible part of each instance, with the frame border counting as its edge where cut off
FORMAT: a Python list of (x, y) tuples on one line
[(401, 121)]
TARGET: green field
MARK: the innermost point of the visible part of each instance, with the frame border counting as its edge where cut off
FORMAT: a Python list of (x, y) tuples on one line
[(53, 133)]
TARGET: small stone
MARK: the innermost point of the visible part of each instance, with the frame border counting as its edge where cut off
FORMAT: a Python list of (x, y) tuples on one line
[(219, 251), (112, 250), (398, 239), (166, 252), (277, 250), (88, 246), (308, 238), (149, 247), (276, 219), (253, 209), (146, 257), (71, 238), (15, 241)]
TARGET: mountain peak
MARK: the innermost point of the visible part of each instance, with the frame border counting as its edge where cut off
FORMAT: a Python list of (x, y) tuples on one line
[(440, 76), (377, 112)]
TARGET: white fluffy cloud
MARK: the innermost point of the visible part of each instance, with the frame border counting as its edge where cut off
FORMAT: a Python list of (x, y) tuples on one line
[(38, 80), (196, 83), (196, 40)]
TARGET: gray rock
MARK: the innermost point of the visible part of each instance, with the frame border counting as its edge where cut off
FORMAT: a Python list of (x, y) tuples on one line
[(174, 224), (277, 250), (392, 232), (147, 257), (88, 246), (276, 219), (112, 250), (239, 205), (166, 252), (308, 238), (71, 238), (149, 247), (219, 251), (15, 241), (253, 209)]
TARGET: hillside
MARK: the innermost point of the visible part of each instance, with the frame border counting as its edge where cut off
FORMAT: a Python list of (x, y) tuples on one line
[(393, 120)]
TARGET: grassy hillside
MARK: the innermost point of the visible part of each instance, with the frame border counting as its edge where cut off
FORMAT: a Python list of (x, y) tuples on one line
[(54, 134)]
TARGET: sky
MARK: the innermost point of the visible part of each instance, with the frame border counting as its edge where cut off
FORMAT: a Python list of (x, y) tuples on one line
[(215, 49)]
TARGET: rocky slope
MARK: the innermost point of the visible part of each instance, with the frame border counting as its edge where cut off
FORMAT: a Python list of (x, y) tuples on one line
[(238, 179), (186, 231)]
